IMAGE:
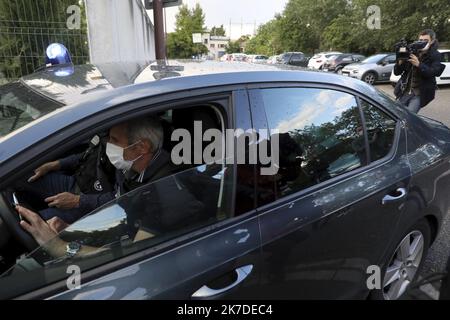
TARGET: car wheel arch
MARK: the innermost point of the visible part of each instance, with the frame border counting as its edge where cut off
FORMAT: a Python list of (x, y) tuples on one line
[(431, 213), (377, 76)]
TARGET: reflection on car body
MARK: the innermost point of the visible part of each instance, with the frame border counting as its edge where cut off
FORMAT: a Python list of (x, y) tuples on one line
[(310, 231)]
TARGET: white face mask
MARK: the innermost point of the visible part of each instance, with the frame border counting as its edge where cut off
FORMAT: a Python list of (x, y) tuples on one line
[(115, 155)]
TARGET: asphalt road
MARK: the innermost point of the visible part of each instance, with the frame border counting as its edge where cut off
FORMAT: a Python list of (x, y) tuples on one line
[(438, 254)]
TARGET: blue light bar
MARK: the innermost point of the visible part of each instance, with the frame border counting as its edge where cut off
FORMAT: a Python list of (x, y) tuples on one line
[(57, 54)]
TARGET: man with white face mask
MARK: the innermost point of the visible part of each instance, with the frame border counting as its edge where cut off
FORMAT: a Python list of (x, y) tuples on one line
[(135, 150)]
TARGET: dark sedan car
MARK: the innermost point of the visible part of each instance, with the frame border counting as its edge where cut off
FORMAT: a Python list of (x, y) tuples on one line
[(297, 59), (338, 62), (361, 184)]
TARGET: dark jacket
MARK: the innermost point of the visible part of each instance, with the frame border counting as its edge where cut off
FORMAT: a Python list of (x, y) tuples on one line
[(429, 68), (92, 170), (158, 168)]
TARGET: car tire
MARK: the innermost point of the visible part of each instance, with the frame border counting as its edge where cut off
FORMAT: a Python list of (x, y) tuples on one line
[(339, 70), (408, 270), (370, 77)]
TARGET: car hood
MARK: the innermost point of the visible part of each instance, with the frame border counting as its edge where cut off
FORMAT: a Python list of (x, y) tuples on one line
[(359, 66)]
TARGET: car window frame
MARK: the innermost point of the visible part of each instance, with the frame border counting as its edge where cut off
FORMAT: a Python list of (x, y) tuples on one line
[(131, 110), (386, 59), (340, 178), (445, 54)]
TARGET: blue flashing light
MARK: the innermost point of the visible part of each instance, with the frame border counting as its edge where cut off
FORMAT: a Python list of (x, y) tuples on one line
[(57, 54)]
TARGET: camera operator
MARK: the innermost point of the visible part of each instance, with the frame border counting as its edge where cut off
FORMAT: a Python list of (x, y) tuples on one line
[(417, 85)]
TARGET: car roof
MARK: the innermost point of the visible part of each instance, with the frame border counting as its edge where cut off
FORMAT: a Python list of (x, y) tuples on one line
[(84, 80), (38, 130)]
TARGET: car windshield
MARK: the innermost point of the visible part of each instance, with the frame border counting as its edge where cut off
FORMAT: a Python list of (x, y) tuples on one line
[(20, 105), (374, 59)]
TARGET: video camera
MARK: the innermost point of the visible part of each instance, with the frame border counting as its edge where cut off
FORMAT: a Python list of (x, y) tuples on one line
[(403, 50)]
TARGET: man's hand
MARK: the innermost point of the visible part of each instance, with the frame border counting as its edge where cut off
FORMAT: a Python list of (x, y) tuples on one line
[(44, 169), (414, 60), (65, 201), (37, 227), (57, 224)]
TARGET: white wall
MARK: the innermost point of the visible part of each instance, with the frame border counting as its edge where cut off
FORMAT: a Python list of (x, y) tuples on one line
[(120, 31)]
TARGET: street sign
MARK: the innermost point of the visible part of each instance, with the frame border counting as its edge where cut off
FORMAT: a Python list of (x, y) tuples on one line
[(197, 38), (166, 3)]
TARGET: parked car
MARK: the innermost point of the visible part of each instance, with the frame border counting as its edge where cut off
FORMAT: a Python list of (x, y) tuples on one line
[(259, 59), (238, 57), (274, 60), (338, 62), (443, 79), (361, 182), (317, 61), (377, 68), (294, 59), (225, 57)]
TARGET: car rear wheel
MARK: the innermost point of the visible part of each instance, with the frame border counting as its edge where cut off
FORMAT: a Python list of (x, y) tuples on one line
[(339, 70), (405, 262), (370, 77)]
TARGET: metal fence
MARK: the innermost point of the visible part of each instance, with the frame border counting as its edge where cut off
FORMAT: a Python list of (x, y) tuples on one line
[(28, 27)]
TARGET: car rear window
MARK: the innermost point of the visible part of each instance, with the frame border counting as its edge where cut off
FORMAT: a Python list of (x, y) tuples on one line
[(20, 105)]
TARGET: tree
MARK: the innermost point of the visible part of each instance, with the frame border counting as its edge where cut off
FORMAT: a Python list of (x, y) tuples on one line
[(349, 31), (180, 43), (236, 46), (218, 31), (233, 47), (267, 40), (311, 25)]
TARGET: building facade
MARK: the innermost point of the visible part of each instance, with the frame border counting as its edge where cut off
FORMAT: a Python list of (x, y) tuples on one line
[(215, 44)]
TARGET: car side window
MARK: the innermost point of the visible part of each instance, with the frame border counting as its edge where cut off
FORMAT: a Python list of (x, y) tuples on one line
[(189, 198), (380, 131), (296, 57), (445, 57), (390, 59), (320, 135)]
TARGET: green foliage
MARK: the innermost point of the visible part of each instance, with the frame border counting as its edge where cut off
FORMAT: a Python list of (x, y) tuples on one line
[(218, 31), (315, 25), (236, 46), (267, 40), (180, 43), (233, 47)]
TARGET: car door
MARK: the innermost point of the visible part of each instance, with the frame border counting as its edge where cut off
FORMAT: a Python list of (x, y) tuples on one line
[(330, 212), (445, 77), (296, 59), (386, 67), (208, 248)]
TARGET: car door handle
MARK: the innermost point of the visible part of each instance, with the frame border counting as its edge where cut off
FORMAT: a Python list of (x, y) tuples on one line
[(401, 194), (207, 292)]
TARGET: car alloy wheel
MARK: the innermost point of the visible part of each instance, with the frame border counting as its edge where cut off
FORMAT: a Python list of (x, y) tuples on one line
[(402, 268), (370, 78)]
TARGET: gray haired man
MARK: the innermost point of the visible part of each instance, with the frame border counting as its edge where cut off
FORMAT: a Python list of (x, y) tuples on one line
[(135, 150)]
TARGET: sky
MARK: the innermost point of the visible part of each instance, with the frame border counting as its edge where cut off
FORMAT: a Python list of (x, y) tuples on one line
[(243, 14)]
